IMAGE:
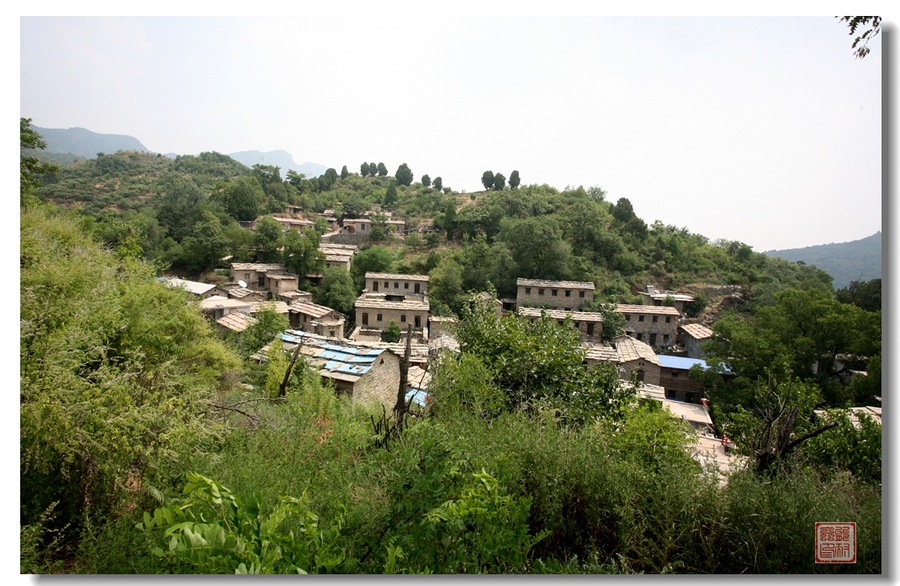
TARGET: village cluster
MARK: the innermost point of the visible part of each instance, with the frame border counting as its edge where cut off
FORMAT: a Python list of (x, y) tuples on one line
[(365, 368)]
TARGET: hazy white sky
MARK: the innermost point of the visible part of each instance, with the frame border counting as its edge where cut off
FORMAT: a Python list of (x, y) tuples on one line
[(760, 129)]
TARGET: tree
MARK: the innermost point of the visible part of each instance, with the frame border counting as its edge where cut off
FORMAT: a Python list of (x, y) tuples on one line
[(871, 25), (390, 195), (426, 180), (438, 183), (382, 170), (31, 168), (336, 290), (499, 182), (344, 172), (243, 199), (392, 333), (364, 169), (487, 179), (403, 175), (514, 180), (301, 254), (376, 259), (267, 324), (539, 363), (267, 239), (116, 372), (206, 244)]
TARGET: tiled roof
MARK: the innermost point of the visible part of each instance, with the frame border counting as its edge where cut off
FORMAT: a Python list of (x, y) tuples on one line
[(378, 302), (697, 331), (647, 309), (561, 314), (630, 349), (260, 267), (278, 306), (560, 284), (396, 277), (191, 286), (312, 309), (237, 322), (218, 302)]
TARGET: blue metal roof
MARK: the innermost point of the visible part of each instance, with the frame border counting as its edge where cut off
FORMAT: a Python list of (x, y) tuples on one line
[(680, 362), (417, 396)]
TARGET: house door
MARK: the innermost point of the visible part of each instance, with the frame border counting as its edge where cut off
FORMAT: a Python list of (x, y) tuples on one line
[(418, 322), (375, 286), (365, 319)]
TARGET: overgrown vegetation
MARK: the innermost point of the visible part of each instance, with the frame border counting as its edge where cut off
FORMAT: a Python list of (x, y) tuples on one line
[(149, 445)]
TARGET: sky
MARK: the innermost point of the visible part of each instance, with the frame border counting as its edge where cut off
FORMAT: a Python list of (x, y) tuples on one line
[(765, 130)]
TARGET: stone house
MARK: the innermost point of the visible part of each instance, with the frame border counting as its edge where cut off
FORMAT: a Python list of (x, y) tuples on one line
[(370, 375), (218, 307), (395, 284), (588, 324), (293, 223), (631, 356), (657, 297), (254, 273), (655, 325), (375, 312), (569, 295), (201, 290), (674, 377), (692, 335), (316, 319), (357, 226), (281, 282)]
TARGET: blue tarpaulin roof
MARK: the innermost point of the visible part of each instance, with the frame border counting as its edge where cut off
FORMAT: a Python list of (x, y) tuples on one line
[(417, 396), (680, 362)]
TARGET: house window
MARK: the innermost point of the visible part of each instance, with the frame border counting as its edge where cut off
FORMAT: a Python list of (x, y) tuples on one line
[(378, 317), (540, 291), (655, 318), (330, 333), (553, 292), (627, 317), (674, 374), (639, 336), (640, 318), (581, 293), (527, 290), (403, 318), (568, 293), (304, 318), (406, 285), (396, 285), (665, 338), (668, 319), (387, 285)]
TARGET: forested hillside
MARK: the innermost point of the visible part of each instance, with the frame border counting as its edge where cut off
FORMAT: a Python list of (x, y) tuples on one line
[(859, 260), (150, 443)]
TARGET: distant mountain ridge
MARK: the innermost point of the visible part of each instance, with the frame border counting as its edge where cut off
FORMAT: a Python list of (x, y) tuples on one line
[(859, 260), (279, 158), (86, 143)]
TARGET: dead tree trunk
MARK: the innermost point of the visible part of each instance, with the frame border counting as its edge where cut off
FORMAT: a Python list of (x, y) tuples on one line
[(282, 390), (400, 405)]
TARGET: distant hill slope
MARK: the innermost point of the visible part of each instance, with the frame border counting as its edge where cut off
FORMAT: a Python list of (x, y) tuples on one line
[(85, 143), (859, 260), (282, 159)]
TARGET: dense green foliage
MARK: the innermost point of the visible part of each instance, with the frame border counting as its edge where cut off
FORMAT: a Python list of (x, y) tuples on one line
[(150, 446)]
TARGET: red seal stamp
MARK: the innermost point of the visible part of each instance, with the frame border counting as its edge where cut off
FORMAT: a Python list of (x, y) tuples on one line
[(835, 543)]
